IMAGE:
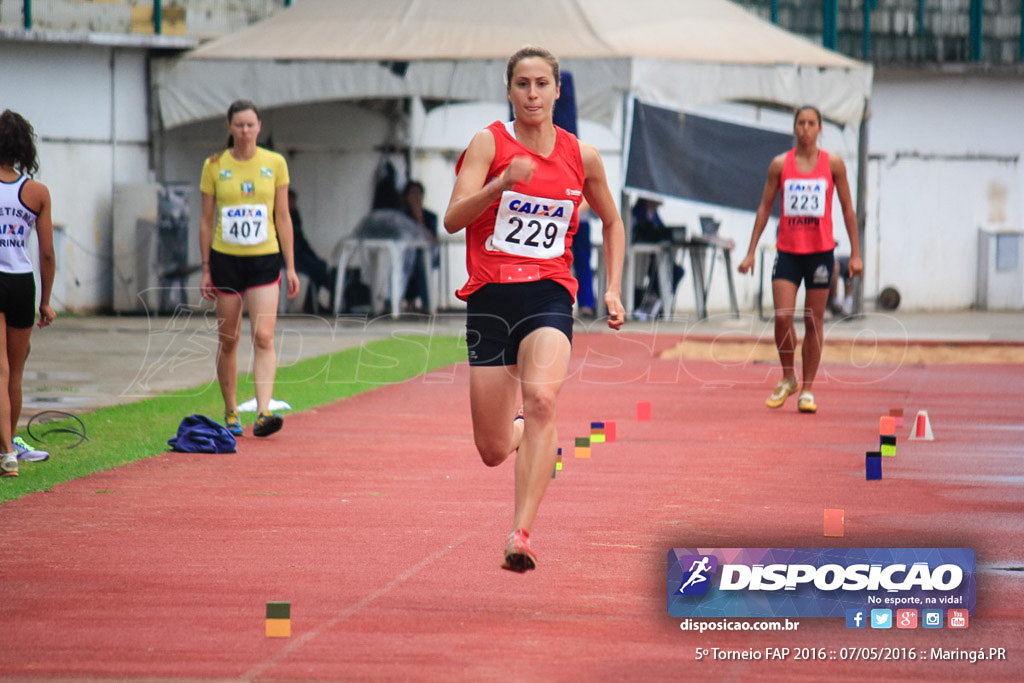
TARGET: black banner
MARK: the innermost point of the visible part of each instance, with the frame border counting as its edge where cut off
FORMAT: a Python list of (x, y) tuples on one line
[(694, 157)]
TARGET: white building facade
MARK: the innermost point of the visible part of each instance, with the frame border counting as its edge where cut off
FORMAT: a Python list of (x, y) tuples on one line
[(945, 150)]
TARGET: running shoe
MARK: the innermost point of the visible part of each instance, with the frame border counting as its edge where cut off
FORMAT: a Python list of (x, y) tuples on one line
[(518, 556), (783, 389), (806, 403), (9, 465), (267, 424), (233, 424), (25, 452)]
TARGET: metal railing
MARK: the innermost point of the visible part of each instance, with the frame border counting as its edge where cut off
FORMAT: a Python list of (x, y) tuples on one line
[(197, 18), (905, 31)]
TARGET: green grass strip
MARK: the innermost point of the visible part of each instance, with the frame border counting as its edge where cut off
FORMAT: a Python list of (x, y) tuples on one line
[(121, 434)]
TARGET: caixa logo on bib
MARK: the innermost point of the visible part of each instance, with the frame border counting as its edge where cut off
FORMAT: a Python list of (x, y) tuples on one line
[(816, 582)]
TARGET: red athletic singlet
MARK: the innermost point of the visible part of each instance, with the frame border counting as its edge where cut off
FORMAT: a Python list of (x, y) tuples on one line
[(527, 234), (806, 223)]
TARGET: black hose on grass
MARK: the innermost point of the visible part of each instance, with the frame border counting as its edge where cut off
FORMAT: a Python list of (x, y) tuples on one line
[(54, 416)]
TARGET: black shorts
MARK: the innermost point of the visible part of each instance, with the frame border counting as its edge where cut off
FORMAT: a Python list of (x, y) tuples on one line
[(235, 274), (18, 299), (499, 316), (814, 270)]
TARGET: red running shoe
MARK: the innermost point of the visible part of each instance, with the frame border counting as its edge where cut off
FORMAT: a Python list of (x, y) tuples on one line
[(518, 556)]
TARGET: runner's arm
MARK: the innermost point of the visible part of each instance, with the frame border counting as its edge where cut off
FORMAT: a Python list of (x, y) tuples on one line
[(764, 211), (597, 194)]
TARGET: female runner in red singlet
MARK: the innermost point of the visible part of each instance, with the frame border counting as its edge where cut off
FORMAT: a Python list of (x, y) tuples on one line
[(806, 176), (518, 193)]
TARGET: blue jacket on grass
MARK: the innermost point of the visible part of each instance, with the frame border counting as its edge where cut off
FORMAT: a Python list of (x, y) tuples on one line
[(200, 434)]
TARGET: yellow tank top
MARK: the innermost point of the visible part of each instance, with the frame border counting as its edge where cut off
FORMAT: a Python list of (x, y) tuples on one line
[(245, 192)]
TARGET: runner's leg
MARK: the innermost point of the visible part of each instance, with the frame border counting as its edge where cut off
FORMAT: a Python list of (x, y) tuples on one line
[(543, 365), (262, 305), (493, 392), (784, 295), (229, 327)]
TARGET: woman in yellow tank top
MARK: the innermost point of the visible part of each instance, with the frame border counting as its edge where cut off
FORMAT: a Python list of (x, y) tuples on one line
[(245, 239)]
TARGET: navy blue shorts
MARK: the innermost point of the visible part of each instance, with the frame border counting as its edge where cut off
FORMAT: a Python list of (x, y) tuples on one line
[(814, 270), (235, 274), (18, 299), (499, 316)]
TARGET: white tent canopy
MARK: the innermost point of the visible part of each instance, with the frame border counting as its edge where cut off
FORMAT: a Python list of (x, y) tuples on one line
[(675, 53)]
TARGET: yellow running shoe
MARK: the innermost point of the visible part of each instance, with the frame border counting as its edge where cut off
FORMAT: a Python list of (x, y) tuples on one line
[(806, 403), (783, 389), (267, 424), (233, 424)]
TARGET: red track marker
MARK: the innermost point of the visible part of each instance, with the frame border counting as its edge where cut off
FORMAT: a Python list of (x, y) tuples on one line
[(835, 523)]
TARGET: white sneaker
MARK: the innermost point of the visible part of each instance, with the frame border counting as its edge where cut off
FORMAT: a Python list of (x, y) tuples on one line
[(9, 465), (25, 452)]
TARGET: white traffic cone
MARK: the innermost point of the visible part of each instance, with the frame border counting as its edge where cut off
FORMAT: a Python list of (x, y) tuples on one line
[(922, 430)]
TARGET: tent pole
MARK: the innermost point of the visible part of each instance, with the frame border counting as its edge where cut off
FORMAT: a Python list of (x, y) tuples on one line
[(625, 212), (157, 138), (862, 194), (866, 37)]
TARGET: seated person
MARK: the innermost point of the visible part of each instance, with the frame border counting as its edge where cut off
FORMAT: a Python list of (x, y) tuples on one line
[(647, 225), (412, 198), (307, 262), (647, 228)]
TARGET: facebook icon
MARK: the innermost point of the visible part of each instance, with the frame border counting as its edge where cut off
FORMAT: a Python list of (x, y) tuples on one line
[(856, 618)]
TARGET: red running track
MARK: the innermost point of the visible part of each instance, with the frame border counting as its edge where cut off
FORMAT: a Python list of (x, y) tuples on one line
[(374, 518)]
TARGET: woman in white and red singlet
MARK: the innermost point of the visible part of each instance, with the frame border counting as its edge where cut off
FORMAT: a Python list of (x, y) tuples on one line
[(807, 177), (24, 210), (518, 192)]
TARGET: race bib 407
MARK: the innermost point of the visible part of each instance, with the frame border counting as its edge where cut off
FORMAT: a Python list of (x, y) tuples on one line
[(244, 224)]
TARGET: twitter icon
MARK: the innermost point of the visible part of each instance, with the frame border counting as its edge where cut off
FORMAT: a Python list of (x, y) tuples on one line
[(881, 618)]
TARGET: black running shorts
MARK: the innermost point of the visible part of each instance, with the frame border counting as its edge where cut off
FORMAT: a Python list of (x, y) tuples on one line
[(499, 316), (235, 274), (815, 270), (18, 299)]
